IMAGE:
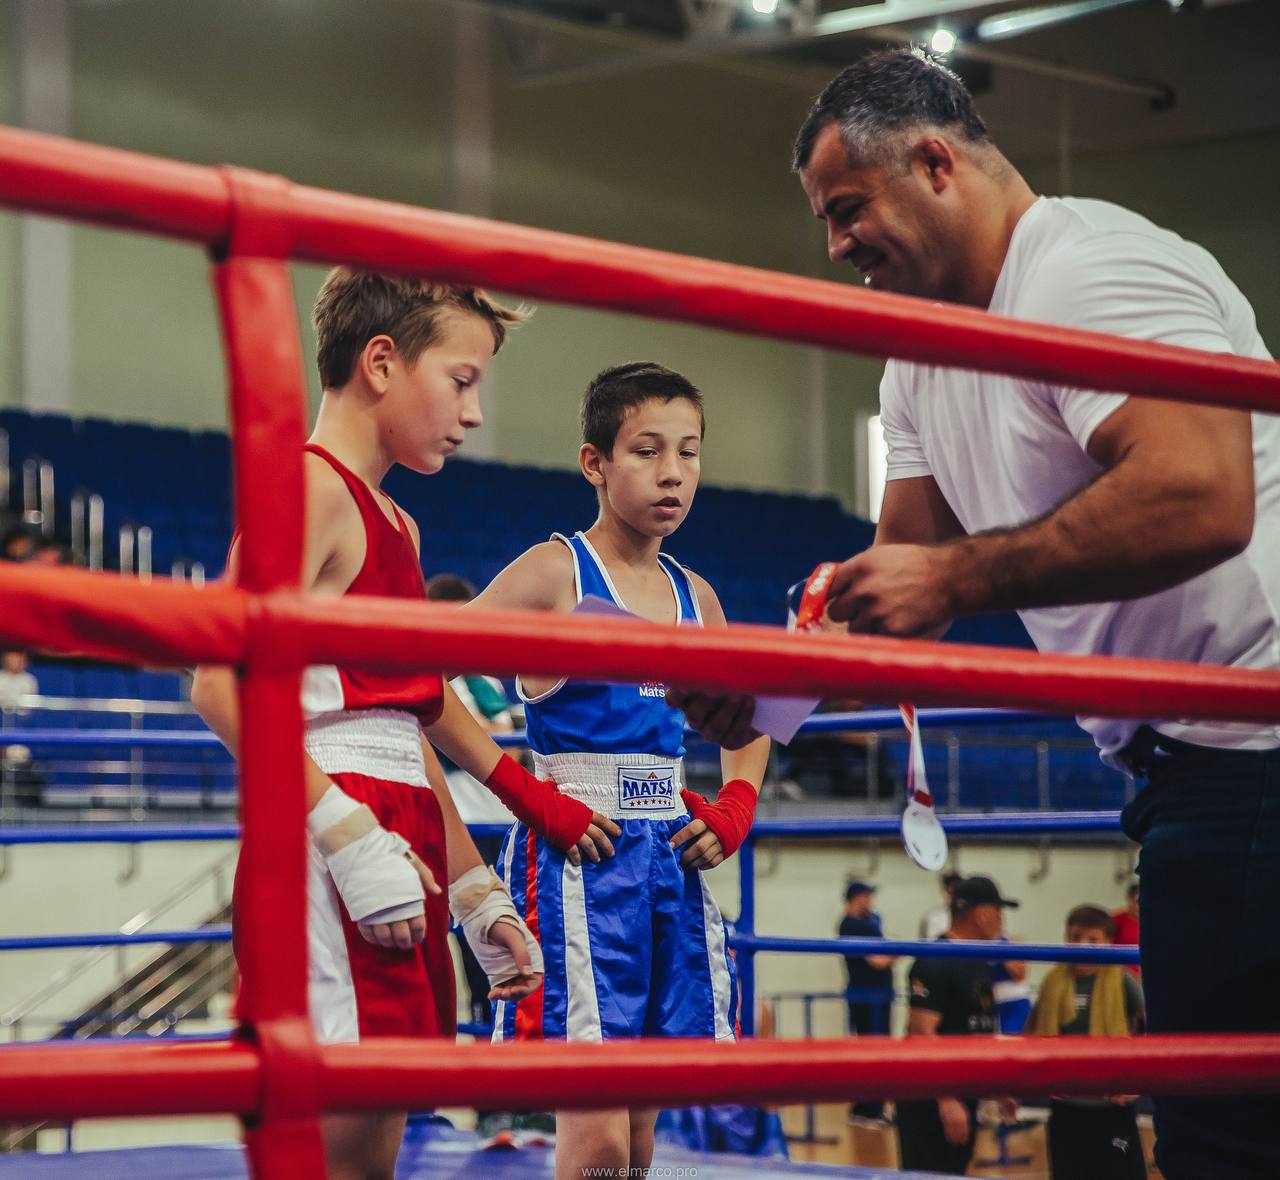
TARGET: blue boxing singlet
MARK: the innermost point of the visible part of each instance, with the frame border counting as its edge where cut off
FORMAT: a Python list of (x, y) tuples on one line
[(578, 715), (635, 945)]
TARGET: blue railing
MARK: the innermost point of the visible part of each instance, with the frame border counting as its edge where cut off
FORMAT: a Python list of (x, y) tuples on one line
[(748, 943), (866, 721), (744, 939)]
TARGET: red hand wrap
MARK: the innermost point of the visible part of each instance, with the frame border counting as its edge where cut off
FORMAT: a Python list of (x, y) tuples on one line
[(558, 819), (729, 816)]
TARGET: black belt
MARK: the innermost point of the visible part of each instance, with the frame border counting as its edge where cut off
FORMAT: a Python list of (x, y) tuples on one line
[(1149, 749)]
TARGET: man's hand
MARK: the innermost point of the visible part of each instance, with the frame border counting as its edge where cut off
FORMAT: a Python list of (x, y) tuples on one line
[(721, 718), (705, 851), (526, 980), (409, 932), (899, 590), (594, 843), (955, 1120)]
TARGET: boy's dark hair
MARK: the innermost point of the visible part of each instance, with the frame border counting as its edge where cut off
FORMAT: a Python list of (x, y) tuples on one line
[(354, 306), (614, 391), (886, 93), (449, 588), (1093, 917)]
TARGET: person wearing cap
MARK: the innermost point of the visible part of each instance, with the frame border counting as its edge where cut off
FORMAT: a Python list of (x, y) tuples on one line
[(951, 997), (870, 989)]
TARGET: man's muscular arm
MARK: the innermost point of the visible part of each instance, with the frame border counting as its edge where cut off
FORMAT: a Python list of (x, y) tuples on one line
[(1175, 498)]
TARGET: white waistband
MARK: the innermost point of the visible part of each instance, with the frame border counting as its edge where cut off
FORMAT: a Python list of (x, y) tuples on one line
[(380, 743), (619, 786)]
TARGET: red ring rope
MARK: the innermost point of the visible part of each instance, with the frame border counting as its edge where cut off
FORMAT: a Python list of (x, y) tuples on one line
[(283, 1078)]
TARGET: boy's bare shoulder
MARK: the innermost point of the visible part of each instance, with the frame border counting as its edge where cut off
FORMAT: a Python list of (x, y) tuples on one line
[(332, 514), (549, 557), (541, 578), (326, 489)]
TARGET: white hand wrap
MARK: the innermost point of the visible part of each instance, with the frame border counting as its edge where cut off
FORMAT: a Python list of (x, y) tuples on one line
[(478, 901), (375, 879)]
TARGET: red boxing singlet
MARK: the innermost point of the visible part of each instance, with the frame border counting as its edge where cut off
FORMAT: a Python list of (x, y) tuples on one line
[(391, 570)]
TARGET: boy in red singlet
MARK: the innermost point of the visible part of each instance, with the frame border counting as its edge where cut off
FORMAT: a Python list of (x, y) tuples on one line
[(401, 362)]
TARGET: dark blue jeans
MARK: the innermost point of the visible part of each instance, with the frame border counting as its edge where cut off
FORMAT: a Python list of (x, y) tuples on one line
[(1209, 825)]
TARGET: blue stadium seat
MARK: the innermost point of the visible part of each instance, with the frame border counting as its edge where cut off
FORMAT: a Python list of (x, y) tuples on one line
[(159, 686), (54, 680), (105, 683), (476, 517)]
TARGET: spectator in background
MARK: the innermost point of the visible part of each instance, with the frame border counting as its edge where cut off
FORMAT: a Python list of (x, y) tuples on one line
[(20, 542), (22, 778), (1091, 1138), (937, 922), (1126, 921), (16, 679), (870, 986), (951, 997), (47, 551)]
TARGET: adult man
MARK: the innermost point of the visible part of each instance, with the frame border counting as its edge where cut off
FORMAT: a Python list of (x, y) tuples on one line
[(951, 997), (1114, 525), (870, 978)]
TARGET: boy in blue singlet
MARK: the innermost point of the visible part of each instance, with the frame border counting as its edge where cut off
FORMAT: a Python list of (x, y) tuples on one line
[(634, 944)]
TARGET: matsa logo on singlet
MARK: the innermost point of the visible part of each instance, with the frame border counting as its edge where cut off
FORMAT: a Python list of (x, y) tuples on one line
[(646, 788), (651, 688)]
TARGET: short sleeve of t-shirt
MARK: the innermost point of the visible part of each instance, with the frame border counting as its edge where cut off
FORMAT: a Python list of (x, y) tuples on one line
[(928, 984), (905, 454), (1126, 284)]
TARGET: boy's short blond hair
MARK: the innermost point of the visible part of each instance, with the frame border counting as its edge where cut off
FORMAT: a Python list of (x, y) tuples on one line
[(354, 306)]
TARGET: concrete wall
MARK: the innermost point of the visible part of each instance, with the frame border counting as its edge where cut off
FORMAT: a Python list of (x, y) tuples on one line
[(88, 889), (365, 98)]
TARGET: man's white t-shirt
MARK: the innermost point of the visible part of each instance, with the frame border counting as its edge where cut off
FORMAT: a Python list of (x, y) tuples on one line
[(1006, 450)]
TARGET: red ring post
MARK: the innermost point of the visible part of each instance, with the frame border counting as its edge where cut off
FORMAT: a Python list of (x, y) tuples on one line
[(267, 391), (280, 1083)]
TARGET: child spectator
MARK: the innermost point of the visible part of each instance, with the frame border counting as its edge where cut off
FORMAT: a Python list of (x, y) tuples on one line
[(1091, 1138)]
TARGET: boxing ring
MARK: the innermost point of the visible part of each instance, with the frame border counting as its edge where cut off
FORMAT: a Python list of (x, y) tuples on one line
[(273, 1074)]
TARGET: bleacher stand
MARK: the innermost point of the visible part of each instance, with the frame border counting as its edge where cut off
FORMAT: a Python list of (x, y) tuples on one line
[(178, 484)]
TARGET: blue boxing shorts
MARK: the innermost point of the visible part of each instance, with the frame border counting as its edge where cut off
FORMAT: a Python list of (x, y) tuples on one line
[(635, 945)]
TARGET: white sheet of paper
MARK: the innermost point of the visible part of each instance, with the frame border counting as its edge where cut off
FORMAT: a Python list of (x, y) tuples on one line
[(779, 717)]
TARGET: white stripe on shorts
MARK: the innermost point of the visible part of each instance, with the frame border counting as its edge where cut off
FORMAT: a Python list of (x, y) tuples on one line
[(721, 992), (500, 1012), (582, 1021), (331, 990)]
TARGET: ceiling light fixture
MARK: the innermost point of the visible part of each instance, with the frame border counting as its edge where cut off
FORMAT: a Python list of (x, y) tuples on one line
[(942, 41)]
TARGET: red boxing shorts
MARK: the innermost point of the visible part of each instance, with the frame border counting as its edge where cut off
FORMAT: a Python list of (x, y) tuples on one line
[(357, 989)]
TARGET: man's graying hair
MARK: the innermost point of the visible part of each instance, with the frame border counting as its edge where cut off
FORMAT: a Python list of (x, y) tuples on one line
[(883, 95)]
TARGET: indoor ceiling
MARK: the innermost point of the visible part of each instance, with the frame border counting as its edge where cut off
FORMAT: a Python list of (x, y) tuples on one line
[(1053, 75)]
